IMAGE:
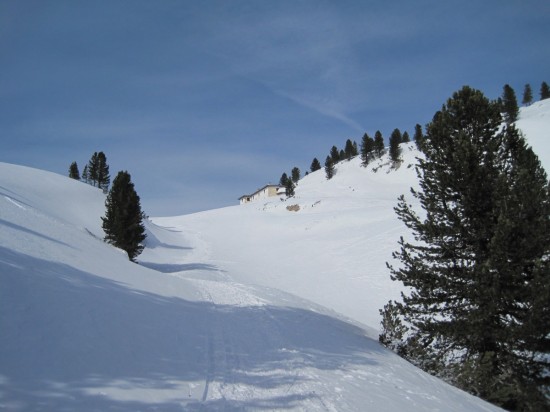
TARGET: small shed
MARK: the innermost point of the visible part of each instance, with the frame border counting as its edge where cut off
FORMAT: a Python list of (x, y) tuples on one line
[(265, 192)]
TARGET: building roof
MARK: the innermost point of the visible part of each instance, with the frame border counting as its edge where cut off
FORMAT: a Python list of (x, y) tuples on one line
[(259, 190)]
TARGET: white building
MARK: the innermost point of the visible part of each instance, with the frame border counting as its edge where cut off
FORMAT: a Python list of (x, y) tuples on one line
[(263, 193)]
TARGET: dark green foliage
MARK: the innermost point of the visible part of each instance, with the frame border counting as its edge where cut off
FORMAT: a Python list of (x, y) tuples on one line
[(355, 149), (283, 180), (335, 154), (349, 150), (85, 175), (418, 136), (289, 188), (315, 165), (478, 310), (544, 91), (509, 104), (98, 171), (405, 138), (527, 95), (342, 154), (367, 148), (295, 173), (378, 143), (73, 171), (123, 217), (395, 140), (329, 167)]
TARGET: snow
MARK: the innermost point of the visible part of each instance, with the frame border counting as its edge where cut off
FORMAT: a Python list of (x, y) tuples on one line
[(251, 307)]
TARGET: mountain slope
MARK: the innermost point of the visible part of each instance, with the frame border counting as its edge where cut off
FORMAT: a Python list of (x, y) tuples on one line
[(85, 329)]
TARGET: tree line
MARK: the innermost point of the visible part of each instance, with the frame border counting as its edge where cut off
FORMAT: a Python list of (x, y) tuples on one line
[(123, 220)]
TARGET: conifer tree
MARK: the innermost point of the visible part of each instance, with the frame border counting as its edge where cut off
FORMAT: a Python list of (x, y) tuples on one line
[(93, 167), (335, 154), (478, 310), (85, 174), (355, 149), (527, 95), (73, 171), (395, 140), (405, 138), (378, 143), (283, 180), (544, 91), (329, 168), (122, 223), (295, 174), (315, 165), (103, 178), (418, 136), (367, 148), (289, 188), (349, 150), (510, 104)]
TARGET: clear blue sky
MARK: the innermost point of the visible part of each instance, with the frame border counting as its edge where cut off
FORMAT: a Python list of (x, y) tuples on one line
[(204, 101)]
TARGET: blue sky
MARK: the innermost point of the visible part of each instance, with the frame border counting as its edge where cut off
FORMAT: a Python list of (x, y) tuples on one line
[(204, 101)]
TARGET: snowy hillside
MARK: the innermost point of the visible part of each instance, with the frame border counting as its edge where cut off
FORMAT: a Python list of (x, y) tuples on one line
[(245, 308)]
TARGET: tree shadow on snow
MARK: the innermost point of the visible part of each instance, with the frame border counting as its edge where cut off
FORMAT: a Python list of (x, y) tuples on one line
[(71, 340), (178, 267)]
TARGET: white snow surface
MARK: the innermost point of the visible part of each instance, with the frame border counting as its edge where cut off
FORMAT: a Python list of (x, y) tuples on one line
[(251, 307)]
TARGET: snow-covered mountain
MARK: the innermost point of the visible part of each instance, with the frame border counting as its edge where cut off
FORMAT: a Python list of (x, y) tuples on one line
[(251, 307)]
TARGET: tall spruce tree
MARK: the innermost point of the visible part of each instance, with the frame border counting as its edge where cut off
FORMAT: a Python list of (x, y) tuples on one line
[(73, 171), (478, 310), (123, 223), (405, 138), (93, 167), (509, 104), (395, 140), (315, 165), (85, 177), (367, 148), (103, 177), (335, 154), (544, 91), (418, 136), (295, 175), (349, 150), (289, 188), (283, 180), (527, 95), (378, 143), (329, 168)]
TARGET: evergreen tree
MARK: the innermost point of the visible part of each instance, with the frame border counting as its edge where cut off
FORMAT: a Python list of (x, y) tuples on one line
[(315, 165), (395, 140), (289, 188), (103, 178), (85, 177), (73, 171), (544, 91), (122, 223), (93, 167), (527, 95), (367, 148), (335, 154), (355, 149), (295, 173), (478, 310), (405, 138), (510, 104), (283, 180), (378, 143), (329, 168), (349, 150), (418, 136), (342, 154)]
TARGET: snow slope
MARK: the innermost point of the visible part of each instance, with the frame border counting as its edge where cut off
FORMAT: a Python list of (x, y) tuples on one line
[(245, 308)]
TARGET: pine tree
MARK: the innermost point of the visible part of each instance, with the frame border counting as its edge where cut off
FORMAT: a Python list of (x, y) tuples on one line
[(395, 140), (103, 178), (418, 136), (355, 149), (122, 223), (289, 188), (329, 168), (295, 173), (367, 148), (405, 138), (510, 104), (73, 171), (335, 154), (85, 177), (378, 143), (93, 167), (479, 277), (315, 165), (283, 180), (544, 91), (349, 150), (527, 95)]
